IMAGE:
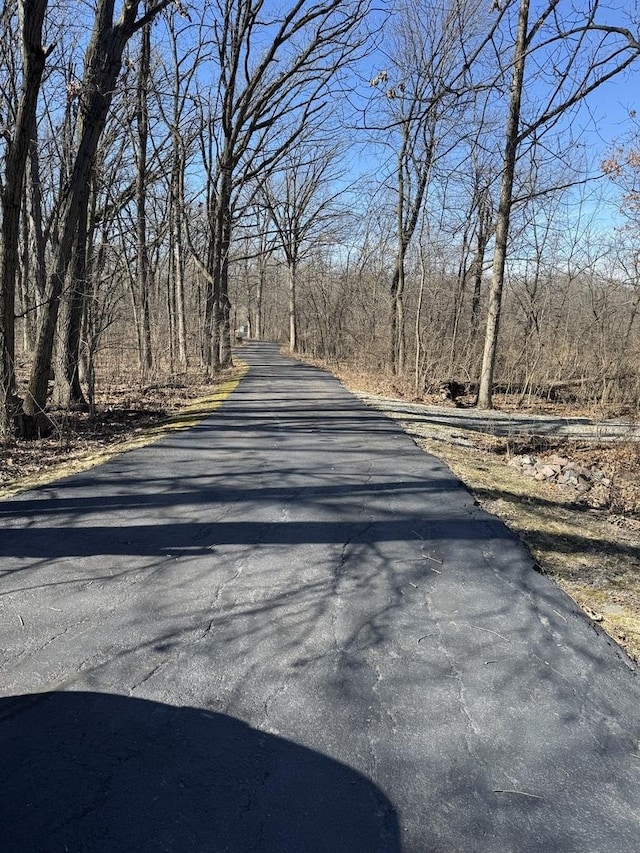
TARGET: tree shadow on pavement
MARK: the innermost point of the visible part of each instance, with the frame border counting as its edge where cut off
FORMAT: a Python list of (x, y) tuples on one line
[(100, 772)]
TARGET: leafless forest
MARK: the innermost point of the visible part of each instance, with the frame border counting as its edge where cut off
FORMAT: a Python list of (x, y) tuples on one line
[(418, 189)]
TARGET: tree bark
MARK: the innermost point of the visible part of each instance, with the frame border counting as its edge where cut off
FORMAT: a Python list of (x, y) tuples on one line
[(293, 319), (34, 55), (483, 235), (176, 213), (103, 61), (222, 226), (504, 212), (67, 391), (262, 273), (142, 251)]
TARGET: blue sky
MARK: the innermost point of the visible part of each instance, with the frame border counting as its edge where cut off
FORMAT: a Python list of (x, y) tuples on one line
[(611, 104)]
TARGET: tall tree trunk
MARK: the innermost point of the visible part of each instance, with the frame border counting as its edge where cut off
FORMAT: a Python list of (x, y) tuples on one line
[(397, 313), (171, 314), (484, 234), (224, 303), (401, 336), (67, 391), (177, 247), (210, 314), (220, 351), (293, 308), (103, 61), (259, 321), (26, 291), (504, 212), (31, 15), (474, 323), (462, 280), (142, 251), (36, 220), (225, 329), (407, 213), (37, 239), (397, 280), (418, 381)]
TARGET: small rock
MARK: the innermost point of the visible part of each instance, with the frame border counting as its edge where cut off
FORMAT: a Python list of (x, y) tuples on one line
[(546, 470), (554, 459), (593, 614)]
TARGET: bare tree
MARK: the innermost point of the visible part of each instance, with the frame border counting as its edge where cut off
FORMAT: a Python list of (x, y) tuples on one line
[(428, 90), (31, 19), (274, 76), (264, 247), (580, 67), (302, 204), (187, 50), (103, 61), (142, 177)]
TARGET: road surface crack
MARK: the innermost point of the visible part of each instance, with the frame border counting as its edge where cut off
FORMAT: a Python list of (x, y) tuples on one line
[(267, 707), (471, 729)]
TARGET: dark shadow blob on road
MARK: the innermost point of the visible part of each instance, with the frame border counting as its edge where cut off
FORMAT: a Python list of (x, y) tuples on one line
[(203, 494), (157, 540), (98, 772)]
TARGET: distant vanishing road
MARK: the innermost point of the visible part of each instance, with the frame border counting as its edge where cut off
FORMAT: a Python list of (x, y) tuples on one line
[(288, 630)]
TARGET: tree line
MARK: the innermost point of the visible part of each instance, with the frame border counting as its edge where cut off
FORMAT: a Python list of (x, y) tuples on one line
[(405, 188)]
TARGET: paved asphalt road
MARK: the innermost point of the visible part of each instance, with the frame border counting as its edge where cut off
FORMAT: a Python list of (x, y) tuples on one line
[(289, 630)]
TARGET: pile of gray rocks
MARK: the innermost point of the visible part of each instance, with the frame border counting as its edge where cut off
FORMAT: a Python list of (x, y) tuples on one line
[(561, 471)]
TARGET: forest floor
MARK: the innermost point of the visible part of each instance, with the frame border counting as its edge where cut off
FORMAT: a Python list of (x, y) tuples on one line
[(128, 414), (586, 538)]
